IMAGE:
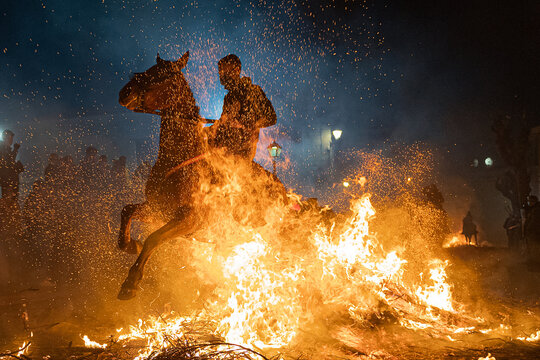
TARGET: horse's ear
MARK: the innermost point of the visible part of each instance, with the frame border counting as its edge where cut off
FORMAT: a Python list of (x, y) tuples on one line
[(158, 59), (182, 62)]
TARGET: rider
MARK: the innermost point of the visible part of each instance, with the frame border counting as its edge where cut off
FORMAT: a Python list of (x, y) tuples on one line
[(246, 109)]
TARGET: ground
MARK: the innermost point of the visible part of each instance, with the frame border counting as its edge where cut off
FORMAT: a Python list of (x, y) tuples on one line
[(58, 319)]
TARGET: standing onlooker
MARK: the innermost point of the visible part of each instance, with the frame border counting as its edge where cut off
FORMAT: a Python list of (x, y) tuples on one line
[(52, 169), (10, 168), (512, 225), (532, 229)]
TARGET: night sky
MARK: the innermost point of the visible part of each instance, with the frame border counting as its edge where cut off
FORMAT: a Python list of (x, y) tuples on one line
[(435, 72)]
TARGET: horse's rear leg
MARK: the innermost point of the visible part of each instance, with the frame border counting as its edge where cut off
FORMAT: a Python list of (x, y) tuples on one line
[(130, 212), (185, 223)]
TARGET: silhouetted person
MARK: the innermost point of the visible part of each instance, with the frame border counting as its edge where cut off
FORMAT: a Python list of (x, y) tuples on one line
[(104, 172), (89, 163), (142, 171), (512, 225), (35, 215), (119, 171), (532, 231), (52, 170), (67, 170), (10, 168), (469, 229), (433, 196), (246, 109)]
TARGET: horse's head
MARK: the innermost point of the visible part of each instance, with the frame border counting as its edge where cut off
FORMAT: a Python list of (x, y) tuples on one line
[(159, 89)]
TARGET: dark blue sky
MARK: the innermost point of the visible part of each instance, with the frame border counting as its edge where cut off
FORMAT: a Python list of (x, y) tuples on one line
[(408, 71)]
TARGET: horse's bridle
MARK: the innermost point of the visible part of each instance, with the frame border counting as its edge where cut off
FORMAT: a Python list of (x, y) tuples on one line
[(141, 108)]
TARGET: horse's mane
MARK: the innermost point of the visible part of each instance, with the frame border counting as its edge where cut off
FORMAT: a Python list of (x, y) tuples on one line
[(188, 107)]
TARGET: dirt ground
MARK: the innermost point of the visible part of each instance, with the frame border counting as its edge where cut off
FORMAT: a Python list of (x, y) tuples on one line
[(57, 318)]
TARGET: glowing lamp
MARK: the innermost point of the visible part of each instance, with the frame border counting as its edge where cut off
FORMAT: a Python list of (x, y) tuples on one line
[(346, 184), (274, 150), (337, 134), (488, 161)]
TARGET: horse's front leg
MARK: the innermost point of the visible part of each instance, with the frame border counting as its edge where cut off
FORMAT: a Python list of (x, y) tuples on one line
[(130, 212), (185, 223)]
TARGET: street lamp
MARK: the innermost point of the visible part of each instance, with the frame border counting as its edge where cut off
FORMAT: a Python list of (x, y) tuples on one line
[(275, 151), (333, 144)]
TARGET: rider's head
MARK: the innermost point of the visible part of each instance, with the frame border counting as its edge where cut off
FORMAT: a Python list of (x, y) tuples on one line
[(229, 71)]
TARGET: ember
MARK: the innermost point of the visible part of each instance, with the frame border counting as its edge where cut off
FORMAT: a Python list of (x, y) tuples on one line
[(261, 180)]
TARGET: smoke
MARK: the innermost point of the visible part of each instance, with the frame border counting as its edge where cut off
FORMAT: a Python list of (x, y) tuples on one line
[(315, 69)]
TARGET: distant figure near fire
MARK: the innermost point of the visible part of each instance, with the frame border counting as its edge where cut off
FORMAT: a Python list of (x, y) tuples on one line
[(246, 109), (469, 229)]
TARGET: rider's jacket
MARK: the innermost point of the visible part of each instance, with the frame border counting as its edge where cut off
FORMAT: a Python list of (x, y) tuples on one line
[(246, 109)]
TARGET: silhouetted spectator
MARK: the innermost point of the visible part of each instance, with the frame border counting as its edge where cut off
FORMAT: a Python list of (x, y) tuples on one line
[(34, 216), (433, 196), (143, 171), (104, 172), (89, 163), (138, 182), (469, 229), (119, 172), (68, 170), (11, 223), (52, 169), (512, 225), (10, 168), (532, 229)]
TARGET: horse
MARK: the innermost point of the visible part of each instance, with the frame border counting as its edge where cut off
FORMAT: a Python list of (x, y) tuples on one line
[(172, 186), (163, 90)]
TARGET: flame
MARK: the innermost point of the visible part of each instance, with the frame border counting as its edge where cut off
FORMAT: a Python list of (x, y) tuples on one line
[(454, 241), (531, 338), (488, 357), (92, 344), (261, 300), (155, 333), (279, 277), (261, 297), (23, 349), (439, 294)]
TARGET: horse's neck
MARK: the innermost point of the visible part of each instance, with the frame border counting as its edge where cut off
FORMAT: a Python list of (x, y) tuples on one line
[(180, 139)]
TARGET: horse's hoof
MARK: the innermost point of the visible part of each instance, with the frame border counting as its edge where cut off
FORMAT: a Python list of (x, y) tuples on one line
[(126, 293), (134, 247)]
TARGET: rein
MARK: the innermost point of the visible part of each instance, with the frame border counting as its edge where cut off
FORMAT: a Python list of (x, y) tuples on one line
[(186, 163), (191, 120)]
